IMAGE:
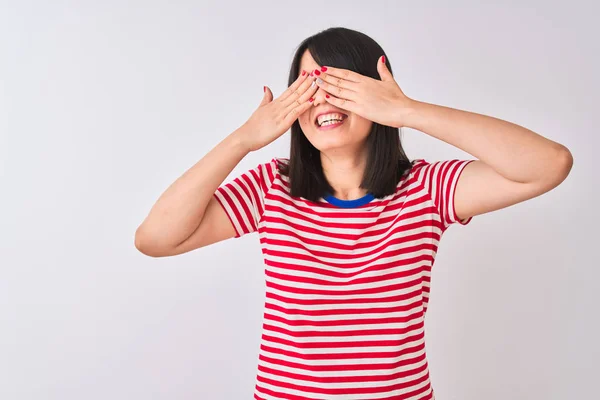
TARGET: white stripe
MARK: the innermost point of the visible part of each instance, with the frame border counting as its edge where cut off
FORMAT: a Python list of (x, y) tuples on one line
[(382, 293), (343, 317), (345, 328), (343, 288), (343, 306), (347, 385)]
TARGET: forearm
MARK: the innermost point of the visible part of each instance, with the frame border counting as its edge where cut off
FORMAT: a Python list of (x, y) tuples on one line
[(513, 151), (178, 211)]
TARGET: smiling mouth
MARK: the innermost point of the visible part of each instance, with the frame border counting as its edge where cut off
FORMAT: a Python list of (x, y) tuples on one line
[(333, 122)]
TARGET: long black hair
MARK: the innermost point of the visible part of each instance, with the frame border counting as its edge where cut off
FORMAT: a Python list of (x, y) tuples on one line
[(386, 161)]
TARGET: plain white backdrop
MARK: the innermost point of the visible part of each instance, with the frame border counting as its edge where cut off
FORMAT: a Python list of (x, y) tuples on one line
[(104, 103)]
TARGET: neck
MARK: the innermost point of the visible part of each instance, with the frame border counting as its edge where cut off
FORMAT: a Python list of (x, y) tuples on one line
[(344, 172)]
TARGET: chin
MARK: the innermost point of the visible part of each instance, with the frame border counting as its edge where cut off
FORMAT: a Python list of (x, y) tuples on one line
[(344, 136), (324, 144)]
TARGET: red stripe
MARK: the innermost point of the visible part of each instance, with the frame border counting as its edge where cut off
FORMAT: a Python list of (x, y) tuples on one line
[(357, 281), (388, 299), (345, 311), (281, 395), (346, 367), (358, 345), (343, 322), (344, 378), (326, 292), (359, 389), (340, 356), (345, 333)]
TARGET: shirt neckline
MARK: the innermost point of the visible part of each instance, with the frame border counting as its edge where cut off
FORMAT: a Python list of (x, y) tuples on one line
[(349, 203)]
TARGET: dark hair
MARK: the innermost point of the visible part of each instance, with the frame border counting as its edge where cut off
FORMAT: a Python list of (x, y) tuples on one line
[(386, 161)]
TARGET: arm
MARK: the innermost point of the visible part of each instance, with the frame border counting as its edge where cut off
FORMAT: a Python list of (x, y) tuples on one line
[(514, 163), (177, 215), (188, 215)]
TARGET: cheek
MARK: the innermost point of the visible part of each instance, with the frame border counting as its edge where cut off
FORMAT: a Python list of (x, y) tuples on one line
[(304, 122), (364, 126)]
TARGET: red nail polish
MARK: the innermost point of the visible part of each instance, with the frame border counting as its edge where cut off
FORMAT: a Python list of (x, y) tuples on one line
[(323, 69), (311, 74), (264, 88), (317, 72), (383, 59), (311, 99), (303, 72), (327, 95)]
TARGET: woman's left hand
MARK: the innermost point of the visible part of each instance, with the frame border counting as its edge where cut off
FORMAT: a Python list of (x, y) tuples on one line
[(380, 101)]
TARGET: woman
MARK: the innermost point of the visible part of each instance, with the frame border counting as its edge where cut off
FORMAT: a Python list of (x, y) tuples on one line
[(349, 227)]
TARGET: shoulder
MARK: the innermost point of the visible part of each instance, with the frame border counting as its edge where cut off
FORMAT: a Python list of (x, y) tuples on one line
[(418, 164), (272, 166), (279, 161), (409, 173), (276, 165), (270, 171), (442, 169)]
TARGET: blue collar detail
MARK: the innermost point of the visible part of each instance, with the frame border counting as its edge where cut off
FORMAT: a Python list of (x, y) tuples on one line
[(349, 203)]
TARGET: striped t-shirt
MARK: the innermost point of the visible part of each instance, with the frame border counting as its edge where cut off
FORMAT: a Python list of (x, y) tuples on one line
[(347, 282)]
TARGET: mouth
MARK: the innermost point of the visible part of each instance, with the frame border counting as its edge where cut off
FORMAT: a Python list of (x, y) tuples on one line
[(331, 123)]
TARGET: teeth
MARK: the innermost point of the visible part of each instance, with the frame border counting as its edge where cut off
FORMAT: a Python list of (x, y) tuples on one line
[(328, 117), (330, 122)]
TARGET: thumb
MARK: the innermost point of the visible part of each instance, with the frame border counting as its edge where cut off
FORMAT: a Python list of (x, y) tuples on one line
[(383, 70), (267, 97)]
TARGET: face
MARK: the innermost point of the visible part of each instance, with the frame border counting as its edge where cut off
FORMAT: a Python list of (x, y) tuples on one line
[(349, 136)]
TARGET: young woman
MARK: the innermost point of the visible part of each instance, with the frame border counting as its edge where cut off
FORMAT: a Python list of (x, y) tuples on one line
[(349, 226)]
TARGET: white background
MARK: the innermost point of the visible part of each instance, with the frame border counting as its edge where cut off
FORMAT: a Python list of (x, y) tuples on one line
[(104, 103)]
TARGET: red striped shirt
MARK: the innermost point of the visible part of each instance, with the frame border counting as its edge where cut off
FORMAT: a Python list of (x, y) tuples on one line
[(347, 282)]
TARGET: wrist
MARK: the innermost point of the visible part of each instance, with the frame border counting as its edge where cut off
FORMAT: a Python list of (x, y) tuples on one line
[(237, 139), (407, 112)]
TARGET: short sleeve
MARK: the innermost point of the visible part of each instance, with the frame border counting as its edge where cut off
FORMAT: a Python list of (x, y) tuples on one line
[(243, 198), (439, 179)]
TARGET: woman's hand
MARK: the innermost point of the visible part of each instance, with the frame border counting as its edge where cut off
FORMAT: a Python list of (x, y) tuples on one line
[(380, 101), (273, 118)]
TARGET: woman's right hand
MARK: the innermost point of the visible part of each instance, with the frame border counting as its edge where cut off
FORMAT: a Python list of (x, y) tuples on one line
[(273, 118)]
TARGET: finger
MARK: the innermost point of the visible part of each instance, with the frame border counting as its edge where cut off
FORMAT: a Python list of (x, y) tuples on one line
[(301, 92), (294, 86), (383, 70), (303, 98), (345, 74), (337, 90), (295, 112), (342, 103), (336, 81), (267, 96)]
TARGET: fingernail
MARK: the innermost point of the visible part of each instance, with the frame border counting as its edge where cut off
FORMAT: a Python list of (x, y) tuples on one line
[(311, 74), (303, 72), (311, 99), (327, 95), (317, 72), (264, 88), (383, 59), (323, 69)]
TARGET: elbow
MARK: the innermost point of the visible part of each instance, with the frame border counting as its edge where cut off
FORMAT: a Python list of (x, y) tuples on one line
[(564, 164), (559, 168), (146, 245), (568, 160)]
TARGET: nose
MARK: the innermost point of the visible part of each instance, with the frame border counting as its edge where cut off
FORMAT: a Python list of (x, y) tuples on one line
[(319, 97)]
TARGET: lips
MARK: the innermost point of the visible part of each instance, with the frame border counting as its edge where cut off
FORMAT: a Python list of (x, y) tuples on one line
[(332, 126), (316, 120)]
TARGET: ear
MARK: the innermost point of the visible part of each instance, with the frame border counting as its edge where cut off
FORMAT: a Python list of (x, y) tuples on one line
[(384, 72)]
